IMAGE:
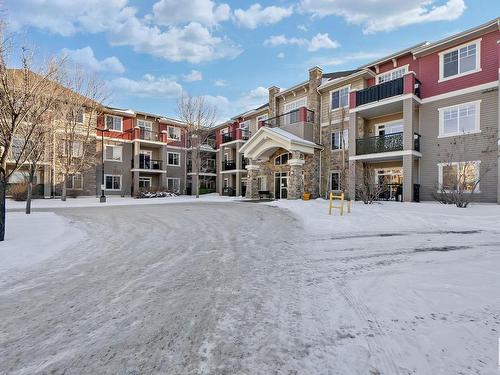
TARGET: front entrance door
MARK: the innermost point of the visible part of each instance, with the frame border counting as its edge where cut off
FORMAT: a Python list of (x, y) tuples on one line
[(145, 159), (281, 185), (392, 181)]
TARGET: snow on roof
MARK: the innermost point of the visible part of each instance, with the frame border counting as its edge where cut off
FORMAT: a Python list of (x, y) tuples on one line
[(292, 137)]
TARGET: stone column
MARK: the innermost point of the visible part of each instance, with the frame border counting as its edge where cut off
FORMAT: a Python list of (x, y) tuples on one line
[(252, 185), (273, 110), (46, 181), (295, 183), (354, 134), (410, 124)]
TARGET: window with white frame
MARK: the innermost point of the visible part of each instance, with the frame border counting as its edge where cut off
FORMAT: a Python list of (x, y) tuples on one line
[(262, 183), (147, 125), (74, 148), (145, 182), (174, 132), (174, 184), (75, 181), (113, 153), (392, 74), (245, 125), (459, 176), (114, 123), (295, 105), (340, 139), (340, 98), (79, 116), (113, 181), (282, 159), (262, 118), (459, 61), (335, 180), (18, 177), (173, 159), (459, 119)]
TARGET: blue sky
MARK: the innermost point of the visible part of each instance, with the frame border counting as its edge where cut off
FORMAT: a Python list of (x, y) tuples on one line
[(148, 52)]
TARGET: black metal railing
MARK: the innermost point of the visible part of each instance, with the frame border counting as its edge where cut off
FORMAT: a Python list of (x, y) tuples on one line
[(391, 192), (209, 168), (150, 164), (228, 165), (297, 115), (380, 91), (381, 143), (148, 135), (416, 141), (244, 162)]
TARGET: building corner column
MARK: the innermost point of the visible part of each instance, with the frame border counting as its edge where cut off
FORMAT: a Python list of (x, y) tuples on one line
[(295, 180), (252, 184), (408, 178)]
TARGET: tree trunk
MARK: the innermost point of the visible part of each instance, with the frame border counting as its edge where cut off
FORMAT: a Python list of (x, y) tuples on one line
[(30, 194), (3, 187), (63, 193)]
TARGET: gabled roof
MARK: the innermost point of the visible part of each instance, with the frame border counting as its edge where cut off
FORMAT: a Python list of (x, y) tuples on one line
[(335, 75), (395, 55)]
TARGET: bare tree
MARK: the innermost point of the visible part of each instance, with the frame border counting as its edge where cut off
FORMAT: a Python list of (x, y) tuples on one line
[(199, 117), (76, 124), (367, 189), (461, 175), (27, 94)]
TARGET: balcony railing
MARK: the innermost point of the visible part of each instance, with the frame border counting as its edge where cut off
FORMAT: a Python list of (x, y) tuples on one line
[(203, 169), (380, 91), (297, 115), (150, 164), (149, 135), (384, 143), (228, 165), (236, 134)]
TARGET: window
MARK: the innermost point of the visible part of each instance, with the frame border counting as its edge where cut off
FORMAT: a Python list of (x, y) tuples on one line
[(144, 182), (340, 98), (114, 123), (459, 119), (113, 153), (390, 128), (339, 142), (245, 125), (75, 181), (173, 158), (459, 176), (295, 105), (282, 159), (113, 182), (335, 180), (459, 61), (174, 184), (262, 118), (174, 132), (262, 183), (76, 148), (79, 116), (18, 177), (148, 125), (392, 74)]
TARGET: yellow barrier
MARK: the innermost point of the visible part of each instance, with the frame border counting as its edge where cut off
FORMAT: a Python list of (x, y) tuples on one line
[(341, 207)]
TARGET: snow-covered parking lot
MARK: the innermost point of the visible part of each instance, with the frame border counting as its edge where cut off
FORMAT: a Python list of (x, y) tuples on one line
[(220, 287)]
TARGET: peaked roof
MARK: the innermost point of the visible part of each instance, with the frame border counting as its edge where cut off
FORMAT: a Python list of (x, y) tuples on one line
[(335, 75)]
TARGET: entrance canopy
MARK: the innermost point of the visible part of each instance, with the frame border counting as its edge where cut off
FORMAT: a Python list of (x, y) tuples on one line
[(265, 142)]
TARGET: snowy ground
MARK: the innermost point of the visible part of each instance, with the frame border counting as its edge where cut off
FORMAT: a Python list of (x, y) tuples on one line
[(244, 288)]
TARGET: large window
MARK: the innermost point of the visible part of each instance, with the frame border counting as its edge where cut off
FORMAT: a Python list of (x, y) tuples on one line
[(113, 153), (459, 119), (335, 180), (262, 118), (114, 123), (262, 183), (295, 105), (173, 159), (147, 125), (145, 182), (459, 61), (340, 139), (79, 116), (174, 184), (392, 74), (282, 159), (174, 132), (75, 181), (74, 148), (340, 98), (459, 175), (113, 182)]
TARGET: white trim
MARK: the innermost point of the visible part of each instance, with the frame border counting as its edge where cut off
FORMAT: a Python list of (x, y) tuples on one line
[(342, 137), (237, 170), (113, 175), (174, 178), (147, 170), (468, 90), (441, 54), (149, 126), (73, 181), (477, 129), (383, 155), (380, 124), (177, 129), (113, 160), (390, 100), (453, 163), (150, 179), (348, 87), (285, 104), (405, 67), (179, 159), (113, 130)]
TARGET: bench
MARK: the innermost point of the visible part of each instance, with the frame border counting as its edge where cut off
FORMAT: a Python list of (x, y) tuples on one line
[(264, 193)]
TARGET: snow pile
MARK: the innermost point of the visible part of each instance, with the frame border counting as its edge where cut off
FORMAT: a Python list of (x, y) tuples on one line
[(392, 216), (117, 201), (33, 238)]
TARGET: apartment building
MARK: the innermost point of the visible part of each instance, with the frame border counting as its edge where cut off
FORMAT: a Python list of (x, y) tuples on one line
[(407, 121)]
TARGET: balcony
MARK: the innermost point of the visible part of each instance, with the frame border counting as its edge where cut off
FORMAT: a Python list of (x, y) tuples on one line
[(236, 134), (298, 115), (149, 135), (210, 168), (384, 143), (150, 164), (404, 85), (228, 165)]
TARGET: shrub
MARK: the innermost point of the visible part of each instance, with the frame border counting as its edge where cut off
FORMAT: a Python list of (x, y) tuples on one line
[(19, 191)]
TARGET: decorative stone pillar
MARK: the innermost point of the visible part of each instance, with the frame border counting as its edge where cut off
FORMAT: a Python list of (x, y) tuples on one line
[(295, 180), (252, 184)]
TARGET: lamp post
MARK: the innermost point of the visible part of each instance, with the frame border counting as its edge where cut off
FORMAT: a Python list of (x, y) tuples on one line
[(102, 198)]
